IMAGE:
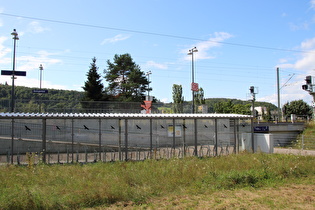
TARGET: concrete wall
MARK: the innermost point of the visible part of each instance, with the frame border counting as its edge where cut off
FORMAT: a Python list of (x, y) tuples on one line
[(283, 133)]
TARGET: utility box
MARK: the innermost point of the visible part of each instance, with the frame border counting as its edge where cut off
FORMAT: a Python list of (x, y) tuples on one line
[(262, 142)]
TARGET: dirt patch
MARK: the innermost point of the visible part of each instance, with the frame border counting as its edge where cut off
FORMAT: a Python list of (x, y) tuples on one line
[(287, 197)]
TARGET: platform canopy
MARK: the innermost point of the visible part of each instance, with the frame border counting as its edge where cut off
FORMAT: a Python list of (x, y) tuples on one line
[(9, 115)]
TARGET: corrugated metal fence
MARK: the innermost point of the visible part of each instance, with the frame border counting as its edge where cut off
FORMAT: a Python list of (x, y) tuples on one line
[(66, 138)]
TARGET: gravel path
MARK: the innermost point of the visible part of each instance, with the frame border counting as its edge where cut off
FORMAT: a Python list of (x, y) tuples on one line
[(294, 151)]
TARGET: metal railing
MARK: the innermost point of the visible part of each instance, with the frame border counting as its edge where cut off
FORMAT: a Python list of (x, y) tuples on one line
[(57, 106), (304, 142)]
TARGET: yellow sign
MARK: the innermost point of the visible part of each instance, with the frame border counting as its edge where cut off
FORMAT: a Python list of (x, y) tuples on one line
[(178, 131)]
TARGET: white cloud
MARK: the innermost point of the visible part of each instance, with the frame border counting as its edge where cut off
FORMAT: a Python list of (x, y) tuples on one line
[(35, 27), (165, 100), (28, 63), (153, 64), (308, 44), (306, 61), (299, 26), (312, 3), (117, 38), (204, 46), (283, 60), (291, 92)]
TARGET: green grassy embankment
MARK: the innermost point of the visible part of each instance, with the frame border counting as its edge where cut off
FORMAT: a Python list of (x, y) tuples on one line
[(234, 181), (306, 140)]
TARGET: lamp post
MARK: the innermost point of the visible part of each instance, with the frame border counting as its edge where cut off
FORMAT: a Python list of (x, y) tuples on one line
[(253, 93), (193, 85), (148, 75), (15, 37), (41, 68)]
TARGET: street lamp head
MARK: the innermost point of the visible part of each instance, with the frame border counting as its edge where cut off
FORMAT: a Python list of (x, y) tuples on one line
[(148, 73), (190, 52), (15, 34), (41, 67)]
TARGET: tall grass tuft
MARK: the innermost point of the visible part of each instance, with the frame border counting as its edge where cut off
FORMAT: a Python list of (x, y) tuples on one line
[(101, 184)]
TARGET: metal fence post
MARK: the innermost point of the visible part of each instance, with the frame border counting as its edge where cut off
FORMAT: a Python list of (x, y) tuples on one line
[(151, 144), (126, 139), (196, 140), (174, 133), (119, 140), (216, 136), (44, 139), (72, 139), (235, 137), (100, 139), (12, 140), (184, 137), (252, 133)]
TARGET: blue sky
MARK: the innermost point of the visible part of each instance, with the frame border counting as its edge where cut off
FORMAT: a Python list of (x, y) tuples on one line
[(240, 43)]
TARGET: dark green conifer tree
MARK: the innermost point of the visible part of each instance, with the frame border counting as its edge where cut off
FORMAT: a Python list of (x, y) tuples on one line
[(93, 87)]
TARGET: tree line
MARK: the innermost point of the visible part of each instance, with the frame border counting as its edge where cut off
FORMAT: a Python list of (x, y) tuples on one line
[(27, 101), (224, 105), (126, 83)]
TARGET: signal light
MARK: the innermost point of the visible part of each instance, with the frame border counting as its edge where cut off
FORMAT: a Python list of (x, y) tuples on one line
[(305, 87), (308, 79), (251, 89)]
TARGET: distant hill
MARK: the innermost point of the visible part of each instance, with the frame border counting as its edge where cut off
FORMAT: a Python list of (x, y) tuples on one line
[(22, 92), (27, 101), (210, 102)]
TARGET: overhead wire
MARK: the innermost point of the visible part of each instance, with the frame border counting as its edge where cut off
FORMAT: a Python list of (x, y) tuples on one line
[(200, 67), (154, 33)]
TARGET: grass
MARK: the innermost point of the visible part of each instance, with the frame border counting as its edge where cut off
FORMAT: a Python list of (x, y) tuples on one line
[(308, 136), (188, 183)]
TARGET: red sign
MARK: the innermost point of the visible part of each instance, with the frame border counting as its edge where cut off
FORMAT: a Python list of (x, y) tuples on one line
[(194, 86), (147, 106)]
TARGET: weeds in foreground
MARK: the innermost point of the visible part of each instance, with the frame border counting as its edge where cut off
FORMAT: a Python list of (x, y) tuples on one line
[(101, 184), (306, 139)]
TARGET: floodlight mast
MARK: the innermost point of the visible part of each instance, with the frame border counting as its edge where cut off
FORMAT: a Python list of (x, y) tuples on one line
[(41, 68), (15, 37), (191, 52)]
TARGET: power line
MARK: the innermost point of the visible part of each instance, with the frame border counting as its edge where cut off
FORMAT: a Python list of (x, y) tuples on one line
[(154, 34)]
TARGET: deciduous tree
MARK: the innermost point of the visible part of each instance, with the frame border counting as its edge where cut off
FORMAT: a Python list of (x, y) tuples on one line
[(178, 98), (199, 97), (298, 107)]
